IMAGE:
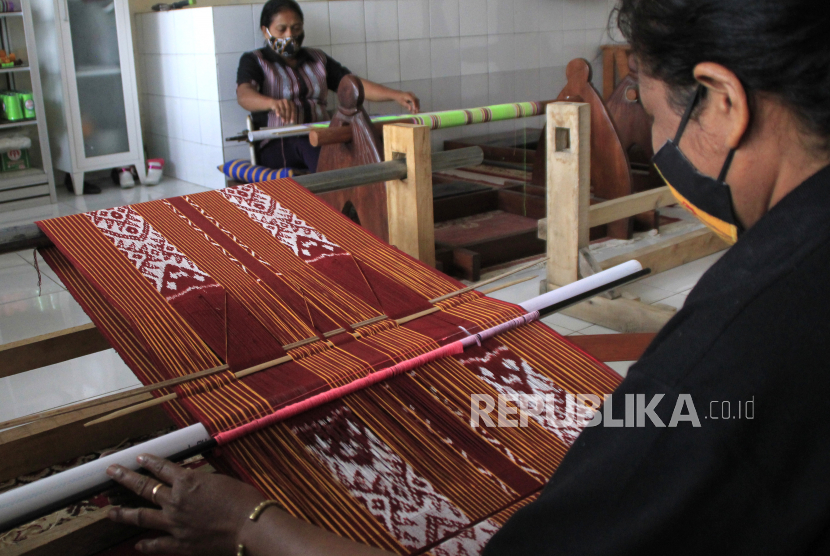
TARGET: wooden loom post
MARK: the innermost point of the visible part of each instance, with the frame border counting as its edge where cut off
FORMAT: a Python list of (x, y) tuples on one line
[(568, 188), (568, 193), (614, 67), (409, 201)]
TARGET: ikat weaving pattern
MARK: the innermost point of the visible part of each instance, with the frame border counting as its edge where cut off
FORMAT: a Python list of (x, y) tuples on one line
[(263, 271), (307, 243), (158, 260)]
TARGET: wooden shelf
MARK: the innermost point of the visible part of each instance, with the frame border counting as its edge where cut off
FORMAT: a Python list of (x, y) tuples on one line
[(14, 69), (33, 186), (22, 178), (19, 123)]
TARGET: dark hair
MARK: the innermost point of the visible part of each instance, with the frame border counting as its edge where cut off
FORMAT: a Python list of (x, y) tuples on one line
[(776, 47), (273, 7)]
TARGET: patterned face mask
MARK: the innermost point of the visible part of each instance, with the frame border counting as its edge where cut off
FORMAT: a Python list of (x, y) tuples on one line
[(287, 47), (708, 199)]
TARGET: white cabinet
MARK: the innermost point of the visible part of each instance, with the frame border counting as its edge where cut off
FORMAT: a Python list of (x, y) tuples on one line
[(189, 58), (89, 83), (32, 186)]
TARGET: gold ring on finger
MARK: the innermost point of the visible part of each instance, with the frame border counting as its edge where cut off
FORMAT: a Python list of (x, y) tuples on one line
[(155, 491)]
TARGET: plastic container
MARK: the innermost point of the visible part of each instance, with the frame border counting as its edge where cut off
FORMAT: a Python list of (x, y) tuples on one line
[(12, 110), (155, 167), (15, 159), (27, 102)]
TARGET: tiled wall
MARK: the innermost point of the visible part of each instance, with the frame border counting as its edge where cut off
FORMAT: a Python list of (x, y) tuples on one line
[(450, 53)]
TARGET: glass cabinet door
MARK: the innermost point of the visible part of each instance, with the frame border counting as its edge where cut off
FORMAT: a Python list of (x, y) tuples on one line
[(98, 77)]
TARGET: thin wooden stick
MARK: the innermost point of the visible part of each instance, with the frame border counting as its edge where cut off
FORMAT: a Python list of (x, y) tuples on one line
[(488, 281), (432, 301), (111, 398), (285, 359), (507, 285), (263, 366), (133, 408), (162, 399), (424, 313), (245, 372)]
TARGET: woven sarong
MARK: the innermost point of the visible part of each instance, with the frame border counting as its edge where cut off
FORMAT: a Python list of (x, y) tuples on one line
[(239, 275)]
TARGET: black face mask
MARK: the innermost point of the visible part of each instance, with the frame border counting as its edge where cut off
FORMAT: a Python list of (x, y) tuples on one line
[(287, 47), (708, 199)]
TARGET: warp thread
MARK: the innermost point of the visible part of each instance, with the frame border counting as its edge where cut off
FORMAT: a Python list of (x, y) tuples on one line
[(39, 277)]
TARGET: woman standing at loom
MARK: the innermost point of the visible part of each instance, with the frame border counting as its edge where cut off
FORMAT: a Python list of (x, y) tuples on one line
[(283, 83), (743, 89)]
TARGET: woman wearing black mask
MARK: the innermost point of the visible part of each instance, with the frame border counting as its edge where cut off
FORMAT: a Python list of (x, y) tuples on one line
[(739, 92), (740, 95), (284, 83)]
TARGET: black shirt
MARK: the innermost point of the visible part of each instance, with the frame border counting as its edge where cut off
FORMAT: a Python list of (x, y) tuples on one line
[(756, 327), (250, 71)]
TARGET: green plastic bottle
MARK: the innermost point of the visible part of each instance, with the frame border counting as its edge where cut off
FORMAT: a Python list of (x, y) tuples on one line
[(11, 106), (27, 102)]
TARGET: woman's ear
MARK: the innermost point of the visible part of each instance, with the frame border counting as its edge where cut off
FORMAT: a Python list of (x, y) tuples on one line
[(727, 97), (264, 30)]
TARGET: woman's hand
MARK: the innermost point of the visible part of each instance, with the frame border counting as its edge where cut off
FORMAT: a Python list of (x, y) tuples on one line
[(408, 101), (285, 109), (380, 93), (202, 513)]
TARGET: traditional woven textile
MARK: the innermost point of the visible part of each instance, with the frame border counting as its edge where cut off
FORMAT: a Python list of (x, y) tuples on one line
[(246, 274), (435, 120), (455, 118), (242, 170)]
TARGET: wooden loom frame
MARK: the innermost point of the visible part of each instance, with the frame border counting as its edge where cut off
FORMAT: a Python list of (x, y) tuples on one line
[(38, 445), (568, 194)]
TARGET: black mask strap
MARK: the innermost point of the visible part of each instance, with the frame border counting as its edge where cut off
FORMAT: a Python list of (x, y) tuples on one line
[(688, 114), (726, 165)]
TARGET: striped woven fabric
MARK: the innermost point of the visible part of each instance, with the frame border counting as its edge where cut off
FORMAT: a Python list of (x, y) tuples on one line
[(456, 118), (241, 274), (437, 120), (242, 170)]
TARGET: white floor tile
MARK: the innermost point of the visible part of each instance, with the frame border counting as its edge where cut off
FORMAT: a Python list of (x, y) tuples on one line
[(11, 259), (566, 322), (675, 301), (113, 196), (517, 293), (597, 329), (620, 367), (39, 315), (647, 294), (47, 272), (28, 257), (27, 216), (576, 334), (20, 282), (684, 277), (561, 330), (64, 383)]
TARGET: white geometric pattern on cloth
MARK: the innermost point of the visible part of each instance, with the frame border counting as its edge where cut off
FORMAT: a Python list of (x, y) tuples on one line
[(307, 243), (518, 378), (401, 499), (469, 542), (170, 271)]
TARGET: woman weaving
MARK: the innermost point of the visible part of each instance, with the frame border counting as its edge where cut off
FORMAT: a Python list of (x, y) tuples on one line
[(740, 95), (283, 83)]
